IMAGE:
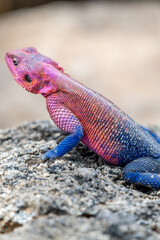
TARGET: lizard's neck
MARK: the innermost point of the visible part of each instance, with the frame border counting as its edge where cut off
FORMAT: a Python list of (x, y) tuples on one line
[(66, 84)]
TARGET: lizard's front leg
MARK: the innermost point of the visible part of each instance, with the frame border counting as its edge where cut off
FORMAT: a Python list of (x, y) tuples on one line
[(67, 122)]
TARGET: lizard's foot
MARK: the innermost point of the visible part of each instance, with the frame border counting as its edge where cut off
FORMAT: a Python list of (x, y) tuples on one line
[(49, 156), (37, 159), (34, 159)]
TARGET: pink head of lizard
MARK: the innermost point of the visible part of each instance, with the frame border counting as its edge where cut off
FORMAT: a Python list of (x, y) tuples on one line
[(33, 71)]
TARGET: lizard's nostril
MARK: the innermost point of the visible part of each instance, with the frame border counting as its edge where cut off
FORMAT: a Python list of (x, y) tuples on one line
[(15, 60)]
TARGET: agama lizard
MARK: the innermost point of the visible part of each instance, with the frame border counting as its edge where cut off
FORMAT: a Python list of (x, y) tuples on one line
[(88, 117)]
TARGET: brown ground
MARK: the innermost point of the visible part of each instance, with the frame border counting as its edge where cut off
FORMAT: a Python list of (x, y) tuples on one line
[(112, 48)]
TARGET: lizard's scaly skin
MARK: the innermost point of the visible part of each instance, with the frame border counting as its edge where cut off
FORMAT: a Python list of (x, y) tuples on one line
[(88, 117)]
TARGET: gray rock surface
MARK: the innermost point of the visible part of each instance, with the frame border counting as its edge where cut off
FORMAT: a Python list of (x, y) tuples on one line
[(77, 197)]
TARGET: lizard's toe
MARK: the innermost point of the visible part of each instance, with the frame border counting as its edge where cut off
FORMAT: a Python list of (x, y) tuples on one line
[(34, 159)]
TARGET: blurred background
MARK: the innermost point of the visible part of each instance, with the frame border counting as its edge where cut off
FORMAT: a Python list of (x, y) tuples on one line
[(112, 47)]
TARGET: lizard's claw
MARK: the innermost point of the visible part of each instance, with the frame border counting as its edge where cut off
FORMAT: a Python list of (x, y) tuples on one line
[(48, 157)]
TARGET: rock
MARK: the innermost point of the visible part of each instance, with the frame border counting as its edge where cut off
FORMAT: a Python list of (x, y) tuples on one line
[(77, 197)]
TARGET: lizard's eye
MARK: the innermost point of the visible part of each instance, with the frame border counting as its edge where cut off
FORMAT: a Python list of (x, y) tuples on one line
[(27, 78)]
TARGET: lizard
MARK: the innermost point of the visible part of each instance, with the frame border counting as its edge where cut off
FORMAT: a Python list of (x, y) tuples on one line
[(88, 117)]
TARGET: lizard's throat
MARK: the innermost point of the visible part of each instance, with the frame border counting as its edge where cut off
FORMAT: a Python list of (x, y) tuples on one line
[(48, 90)]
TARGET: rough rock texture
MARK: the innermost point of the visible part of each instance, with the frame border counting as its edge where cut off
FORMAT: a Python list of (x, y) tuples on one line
[(77, 197)]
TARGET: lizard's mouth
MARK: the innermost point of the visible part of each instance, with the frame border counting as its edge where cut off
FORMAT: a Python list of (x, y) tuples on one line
[(9, 62)]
